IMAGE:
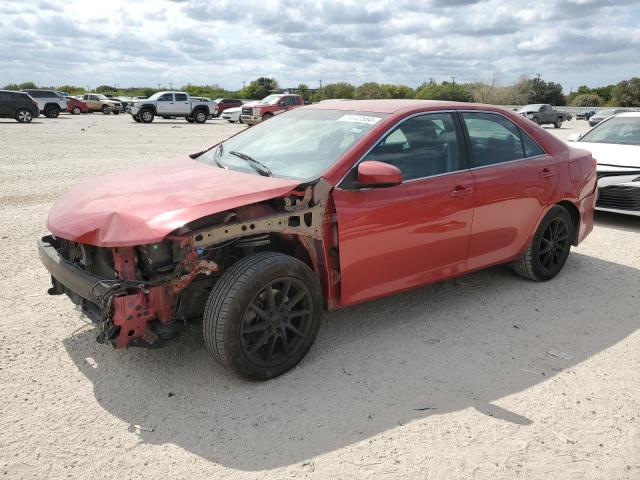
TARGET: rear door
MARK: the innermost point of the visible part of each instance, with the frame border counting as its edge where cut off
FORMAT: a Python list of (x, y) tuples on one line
[(514, 181), (182, 104), (395, 238)]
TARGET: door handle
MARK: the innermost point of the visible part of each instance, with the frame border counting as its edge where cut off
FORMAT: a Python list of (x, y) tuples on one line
[(546, 173), (460, 191)]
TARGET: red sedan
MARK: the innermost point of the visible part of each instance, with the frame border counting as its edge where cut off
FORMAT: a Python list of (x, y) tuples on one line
[(321, 207), (76, 106)]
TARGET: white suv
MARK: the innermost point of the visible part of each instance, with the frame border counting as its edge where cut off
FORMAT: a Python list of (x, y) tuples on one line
[(49, 102)]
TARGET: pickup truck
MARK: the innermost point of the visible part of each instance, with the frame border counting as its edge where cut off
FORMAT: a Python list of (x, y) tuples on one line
[(170, 104), (256, 112), (542, 113)]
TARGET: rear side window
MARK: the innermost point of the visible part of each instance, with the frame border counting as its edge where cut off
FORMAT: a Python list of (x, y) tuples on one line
[(181, 97), (495, 139), (421, 146)]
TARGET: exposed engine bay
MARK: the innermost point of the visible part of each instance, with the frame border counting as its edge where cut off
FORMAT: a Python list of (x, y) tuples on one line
[(143, 295)]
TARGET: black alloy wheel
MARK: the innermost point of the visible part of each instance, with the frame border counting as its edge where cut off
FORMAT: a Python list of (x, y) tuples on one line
[(554, 244), (277, 321), (263, 315), (549, 249)]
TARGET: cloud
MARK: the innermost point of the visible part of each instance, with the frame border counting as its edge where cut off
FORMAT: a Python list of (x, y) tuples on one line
[(401, 41)]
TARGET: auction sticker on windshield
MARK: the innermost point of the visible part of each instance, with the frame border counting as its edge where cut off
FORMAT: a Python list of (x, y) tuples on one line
[(359, 119)]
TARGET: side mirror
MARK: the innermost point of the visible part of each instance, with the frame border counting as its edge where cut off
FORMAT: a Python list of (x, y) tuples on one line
[(574, 137), (372, 174)]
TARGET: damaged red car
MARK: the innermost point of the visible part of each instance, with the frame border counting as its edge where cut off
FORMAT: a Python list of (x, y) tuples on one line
[(322, 207)]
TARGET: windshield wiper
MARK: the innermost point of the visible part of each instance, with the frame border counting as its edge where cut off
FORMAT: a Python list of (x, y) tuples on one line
[(261, 168)]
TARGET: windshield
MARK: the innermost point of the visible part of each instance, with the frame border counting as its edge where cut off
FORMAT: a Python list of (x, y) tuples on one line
[(271, 99), (605, 113), (616, 130), (300, 144), (531, 108), (152, 97), (101, 97)]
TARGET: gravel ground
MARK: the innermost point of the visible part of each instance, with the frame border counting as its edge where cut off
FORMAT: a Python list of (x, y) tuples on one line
[(486, 376)]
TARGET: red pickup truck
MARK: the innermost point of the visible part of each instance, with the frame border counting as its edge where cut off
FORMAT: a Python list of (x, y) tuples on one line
[(256, 112)]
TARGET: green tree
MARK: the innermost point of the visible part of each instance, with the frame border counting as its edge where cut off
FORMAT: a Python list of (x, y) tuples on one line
[(586, 100), (19, 86), (627, 93), (399, 91), (105, 89), (259, 88), (338, 90), (545, 92), (371, 90), (454, 92)]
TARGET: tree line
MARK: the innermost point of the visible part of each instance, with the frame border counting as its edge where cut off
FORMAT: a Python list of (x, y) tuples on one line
[(525, 90)]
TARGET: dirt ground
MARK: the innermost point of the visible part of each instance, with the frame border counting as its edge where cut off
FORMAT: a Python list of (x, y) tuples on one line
[(487, 376)]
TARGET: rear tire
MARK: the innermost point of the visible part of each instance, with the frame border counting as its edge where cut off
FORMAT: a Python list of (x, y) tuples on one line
[(549, 249), (200, 116), (557, 123), (52, 111), (136, 118), (24, 115), (263, 315), (189, 119), (146, 115)]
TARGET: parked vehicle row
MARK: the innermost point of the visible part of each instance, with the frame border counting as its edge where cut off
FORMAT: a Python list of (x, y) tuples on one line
[(321, 207)]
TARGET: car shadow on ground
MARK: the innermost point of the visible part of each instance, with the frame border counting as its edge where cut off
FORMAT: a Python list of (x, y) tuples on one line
[(455, 345), (14, 122)]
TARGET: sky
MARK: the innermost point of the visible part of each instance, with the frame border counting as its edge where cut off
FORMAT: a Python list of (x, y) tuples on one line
[(228, 42)]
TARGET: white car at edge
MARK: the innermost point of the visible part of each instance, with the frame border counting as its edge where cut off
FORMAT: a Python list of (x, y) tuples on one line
[(232, 115), (615, 144)]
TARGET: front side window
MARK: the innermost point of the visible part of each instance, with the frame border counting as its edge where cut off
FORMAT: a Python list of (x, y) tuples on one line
[(421, 147), (495, 139), (167, 97)]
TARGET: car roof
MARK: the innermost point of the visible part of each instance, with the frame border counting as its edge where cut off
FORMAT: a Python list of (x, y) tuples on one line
[(396, 105)]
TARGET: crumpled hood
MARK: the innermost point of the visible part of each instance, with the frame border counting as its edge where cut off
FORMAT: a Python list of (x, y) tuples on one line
[(608, 154), (143, 205)]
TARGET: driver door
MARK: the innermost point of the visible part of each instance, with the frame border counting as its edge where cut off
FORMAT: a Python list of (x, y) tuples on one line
[(165, 104), (395, 238)]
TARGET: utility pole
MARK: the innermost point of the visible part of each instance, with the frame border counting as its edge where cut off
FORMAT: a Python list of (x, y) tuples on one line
[(244, 84), (453, 79), (170, 85)]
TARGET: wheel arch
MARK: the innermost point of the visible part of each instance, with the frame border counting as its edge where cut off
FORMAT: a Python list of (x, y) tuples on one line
[(575, 218), (149, 106)]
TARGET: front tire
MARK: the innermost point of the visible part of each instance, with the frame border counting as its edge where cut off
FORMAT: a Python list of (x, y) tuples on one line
[(24, 115), (549, 249), (557, 123), (76, 111), (189, 119), (136, 118), (263, 315), (146, 115), (105, 109)]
